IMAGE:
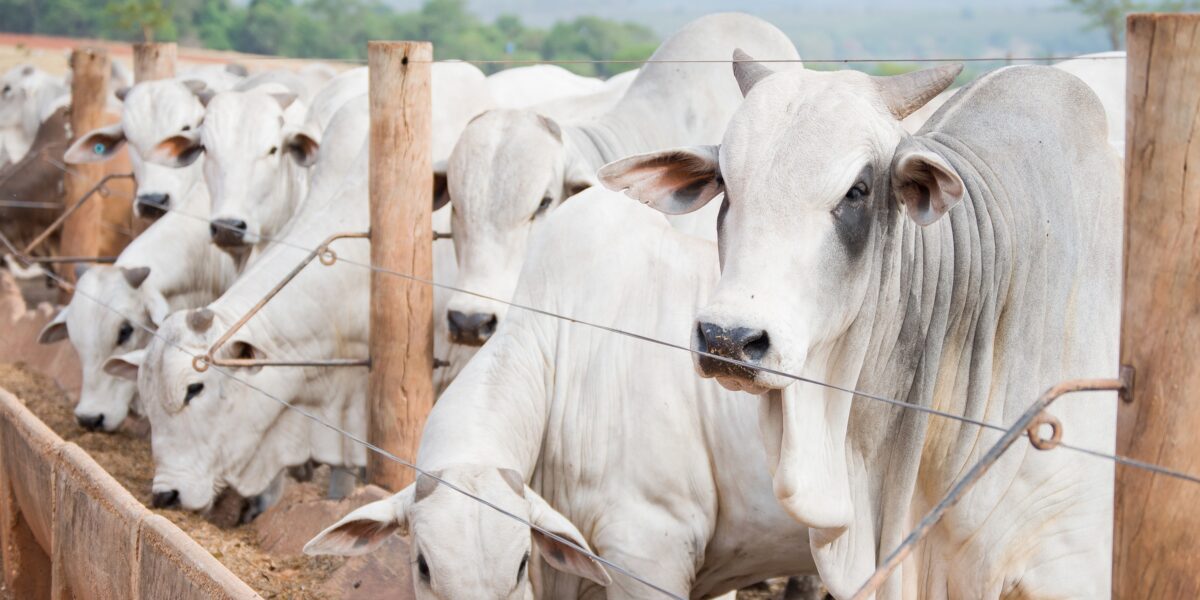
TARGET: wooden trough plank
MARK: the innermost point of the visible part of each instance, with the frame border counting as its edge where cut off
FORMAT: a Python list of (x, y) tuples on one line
[(171, 565), (26, 564), (92, 509), (29, 449)]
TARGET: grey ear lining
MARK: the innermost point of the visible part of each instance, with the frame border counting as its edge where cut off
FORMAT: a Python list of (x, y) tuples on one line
[(425, 486)]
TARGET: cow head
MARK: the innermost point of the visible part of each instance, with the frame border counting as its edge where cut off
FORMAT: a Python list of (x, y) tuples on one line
[(207, 429), (153, 110), (256, 154), (26, 92), (815, 169), (507, 172), (459, 547), (98, 333)]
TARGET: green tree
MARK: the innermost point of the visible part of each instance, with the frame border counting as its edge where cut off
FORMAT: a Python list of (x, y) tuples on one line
[(146, 16)]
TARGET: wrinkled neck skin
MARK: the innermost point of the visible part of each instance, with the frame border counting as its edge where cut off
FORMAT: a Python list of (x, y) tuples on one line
[(947, 313)]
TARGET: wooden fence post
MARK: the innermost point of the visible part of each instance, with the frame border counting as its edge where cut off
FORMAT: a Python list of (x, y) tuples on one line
[(89, 95), (1156, 523), (154, 60), (401, 181)]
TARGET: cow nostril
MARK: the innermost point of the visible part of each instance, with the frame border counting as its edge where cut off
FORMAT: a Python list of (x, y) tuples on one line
[(471, 329), (228, 232), (167, 499), (755, 345), (90, 422)]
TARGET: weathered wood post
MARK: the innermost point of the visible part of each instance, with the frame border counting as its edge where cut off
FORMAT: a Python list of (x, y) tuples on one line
[(89, 94), (154, 60), (401, 381), (1157, 525)]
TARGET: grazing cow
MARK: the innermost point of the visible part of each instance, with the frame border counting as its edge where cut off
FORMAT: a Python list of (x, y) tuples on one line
[(601, 439), (210, 432), (523, 87), (257, 155), (966, 268), (512, 167), (26, 93), (153, 110), (588, 105), (172, 266)]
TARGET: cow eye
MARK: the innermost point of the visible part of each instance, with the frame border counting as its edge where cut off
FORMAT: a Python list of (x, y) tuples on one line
[(521, 569), (193, 390), (543, 205), (124, 333), (7, 90), (423, 568), (186, 128), (273, 150), (858, 192)]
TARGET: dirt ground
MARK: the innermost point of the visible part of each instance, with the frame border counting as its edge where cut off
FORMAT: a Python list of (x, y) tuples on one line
[(126, 455)]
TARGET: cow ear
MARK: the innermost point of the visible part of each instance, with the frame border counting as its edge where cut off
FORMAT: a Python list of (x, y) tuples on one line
[(675, 182), (302, 147), (562, 557), (56, 330), (365, 529), (178, 151), (126, 365), (924, 183), (97, 145)]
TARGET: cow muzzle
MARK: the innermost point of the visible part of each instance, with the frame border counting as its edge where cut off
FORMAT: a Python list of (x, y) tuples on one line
[(742, 344), (152, 206), (228, 233), (471, 329)]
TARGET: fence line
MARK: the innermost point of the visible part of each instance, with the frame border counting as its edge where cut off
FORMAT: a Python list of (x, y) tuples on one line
[(369, 446)]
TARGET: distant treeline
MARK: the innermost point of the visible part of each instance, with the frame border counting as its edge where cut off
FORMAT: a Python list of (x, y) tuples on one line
[(333, 29)]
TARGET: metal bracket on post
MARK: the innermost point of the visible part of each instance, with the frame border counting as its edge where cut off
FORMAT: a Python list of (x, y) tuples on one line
[(58, 223), (327, 257)]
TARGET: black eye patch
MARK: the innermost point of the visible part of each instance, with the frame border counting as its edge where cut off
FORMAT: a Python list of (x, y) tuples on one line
[(852, 215)]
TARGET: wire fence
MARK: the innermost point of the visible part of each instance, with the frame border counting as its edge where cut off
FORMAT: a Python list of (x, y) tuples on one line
[(853, 393)]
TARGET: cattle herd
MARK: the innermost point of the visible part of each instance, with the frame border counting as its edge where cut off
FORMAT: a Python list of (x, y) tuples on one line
[(956, 249)]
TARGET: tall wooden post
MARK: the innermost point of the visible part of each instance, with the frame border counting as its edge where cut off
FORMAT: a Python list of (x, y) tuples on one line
[(154, 60), (1157, 525), (89, 94), (401, 381)]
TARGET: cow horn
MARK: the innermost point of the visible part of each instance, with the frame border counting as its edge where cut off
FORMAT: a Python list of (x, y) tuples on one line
[(136, 276), (200, 320), (747, 71), (906, 93)]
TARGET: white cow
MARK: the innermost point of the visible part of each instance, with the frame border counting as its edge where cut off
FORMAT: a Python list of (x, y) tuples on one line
[(216, 78), (523, 87), (257, 154), (152, 111), (512, 167), (588, 105), (247, 438), (26, 93), (602, 439), (172, 266), (967, 269)]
